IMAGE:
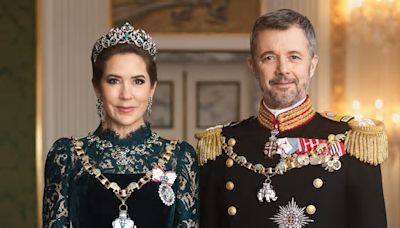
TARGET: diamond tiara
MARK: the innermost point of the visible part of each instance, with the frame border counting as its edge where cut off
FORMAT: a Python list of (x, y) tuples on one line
[(126, 34)]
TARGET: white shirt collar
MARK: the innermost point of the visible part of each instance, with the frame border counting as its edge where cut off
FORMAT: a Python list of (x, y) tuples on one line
[(276, 112)]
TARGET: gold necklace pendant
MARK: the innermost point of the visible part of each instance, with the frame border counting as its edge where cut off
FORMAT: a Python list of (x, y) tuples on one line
[(123, 221)]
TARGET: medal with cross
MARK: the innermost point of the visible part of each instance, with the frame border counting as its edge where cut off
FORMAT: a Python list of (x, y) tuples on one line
[(271, 145)]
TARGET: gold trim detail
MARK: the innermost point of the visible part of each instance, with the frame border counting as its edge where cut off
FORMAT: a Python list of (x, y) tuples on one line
[(39, 111), (209, 144), (368, 143), (288, 120)]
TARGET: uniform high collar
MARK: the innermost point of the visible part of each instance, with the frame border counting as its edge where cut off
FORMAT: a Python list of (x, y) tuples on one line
[(295, 117)]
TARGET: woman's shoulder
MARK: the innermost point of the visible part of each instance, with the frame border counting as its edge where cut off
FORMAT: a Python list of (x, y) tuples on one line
[(180, 145), (59, 154), (184, 152), (61, 147)]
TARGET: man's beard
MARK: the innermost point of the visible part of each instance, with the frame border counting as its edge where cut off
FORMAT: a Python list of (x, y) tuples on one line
[(281, 100)]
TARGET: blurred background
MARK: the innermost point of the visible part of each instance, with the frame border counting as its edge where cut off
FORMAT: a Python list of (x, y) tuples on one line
[(45, 72)]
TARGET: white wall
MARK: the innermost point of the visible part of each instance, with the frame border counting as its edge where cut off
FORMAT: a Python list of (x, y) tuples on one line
[(69, 30)]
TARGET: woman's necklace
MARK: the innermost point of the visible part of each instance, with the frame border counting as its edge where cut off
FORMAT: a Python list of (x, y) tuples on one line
[(165, 191)]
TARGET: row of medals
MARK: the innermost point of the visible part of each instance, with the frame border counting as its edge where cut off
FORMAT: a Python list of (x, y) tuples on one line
[(286, 163)]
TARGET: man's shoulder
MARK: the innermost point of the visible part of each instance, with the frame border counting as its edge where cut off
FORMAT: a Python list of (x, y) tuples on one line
[(366, 138), (332, 116), (241, 125), (210, 141)]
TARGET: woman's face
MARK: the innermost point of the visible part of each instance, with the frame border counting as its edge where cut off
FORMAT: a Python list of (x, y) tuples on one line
[(125, 89)]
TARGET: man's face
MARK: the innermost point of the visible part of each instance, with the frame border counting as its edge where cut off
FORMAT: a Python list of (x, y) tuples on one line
[(283, 66)]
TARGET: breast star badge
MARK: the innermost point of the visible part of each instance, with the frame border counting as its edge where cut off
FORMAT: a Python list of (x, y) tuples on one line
[(291, 216)]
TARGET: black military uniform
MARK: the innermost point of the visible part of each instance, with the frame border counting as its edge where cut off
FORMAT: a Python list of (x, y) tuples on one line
[(308, 195)]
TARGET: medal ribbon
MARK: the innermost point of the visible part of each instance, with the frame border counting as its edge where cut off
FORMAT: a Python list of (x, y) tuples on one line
[(288, 146)]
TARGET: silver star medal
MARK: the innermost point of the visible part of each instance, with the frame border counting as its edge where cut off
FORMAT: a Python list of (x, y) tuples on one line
[(165, 190), (291, 216), (267, 192), (123, 221)]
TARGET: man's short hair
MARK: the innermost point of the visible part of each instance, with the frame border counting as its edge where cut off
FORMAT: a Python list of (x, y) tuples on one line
[(281, 20)]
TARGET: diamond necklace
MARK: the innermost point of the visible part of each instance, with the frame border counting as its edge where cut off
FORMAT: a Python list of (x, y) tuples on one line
[(122, 194)]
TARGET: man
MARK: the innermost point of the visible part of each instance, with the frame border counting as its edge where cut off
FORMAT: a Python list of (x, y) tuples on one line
[(291, 167)]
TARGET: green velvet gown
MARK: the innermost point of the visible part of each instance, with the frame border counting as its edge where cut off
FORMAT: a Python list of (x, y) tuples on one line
[(73, 197)]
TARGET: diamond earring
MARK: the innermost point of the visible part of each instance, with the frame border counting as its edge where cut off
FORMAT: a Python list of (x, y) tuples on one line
[(149, 104), (100, 109)]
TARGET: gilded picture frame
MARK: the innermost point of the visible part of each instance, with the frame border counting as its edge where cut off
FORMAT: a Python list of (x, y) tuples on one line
[(215, 25)]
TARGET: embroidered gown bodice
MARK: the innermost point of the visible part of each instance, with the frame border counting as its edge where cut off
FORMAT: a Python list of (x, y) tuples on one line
[(73, 197)]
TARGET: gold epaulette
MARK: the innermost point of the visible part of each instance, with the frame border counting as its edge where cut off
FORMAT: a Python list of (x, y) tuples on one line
[(366, 140), (338, 118), (368, 143), (209, 144)]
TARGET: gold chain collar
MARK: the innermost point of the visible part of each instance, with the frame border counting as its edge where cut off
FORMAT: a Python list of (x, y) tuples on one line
[(121, 194), (290, 162), (242, 161)]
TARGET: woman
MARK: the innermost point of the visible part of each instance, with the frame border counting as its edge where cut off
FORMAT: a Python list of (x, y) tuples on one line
[(124, 174)]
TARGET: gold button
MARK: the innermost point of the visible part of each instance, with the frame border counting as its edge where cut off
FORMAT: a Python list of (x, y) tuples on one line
[(311, 209), (229, 185), (318, 183), (231, 142), (232, 210), (229, 162)]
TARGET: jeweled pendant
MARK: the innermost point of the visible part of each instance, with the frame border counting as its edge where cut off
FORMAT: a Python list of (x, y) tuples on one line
[(123, 221), (166, 194), (267, 192)]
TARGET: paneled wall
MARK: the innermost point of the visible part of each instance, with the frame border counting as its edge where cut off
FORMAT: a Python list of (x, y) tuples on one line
[(68, 31)]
